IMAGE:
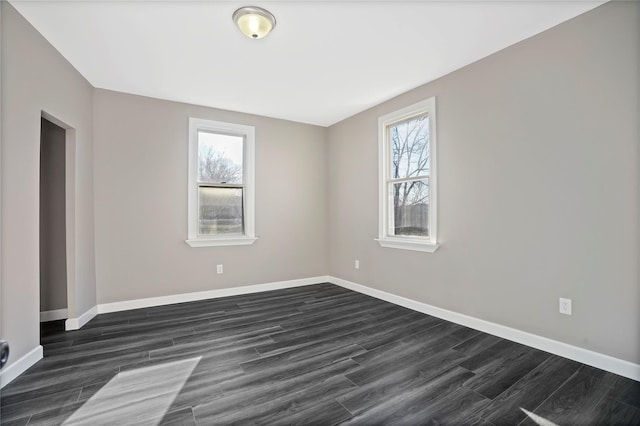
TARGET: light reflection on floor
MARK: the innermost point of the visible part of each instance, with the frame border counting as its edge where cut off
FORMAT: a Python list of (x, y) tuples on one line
[(136, 397), (539, 420)]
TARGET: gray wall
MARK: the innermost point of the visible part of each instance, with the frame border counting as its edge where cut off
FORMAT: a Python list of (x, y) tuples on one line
[(53, 254), (141, 202), (36, 78), (538, 162), (538, 188)]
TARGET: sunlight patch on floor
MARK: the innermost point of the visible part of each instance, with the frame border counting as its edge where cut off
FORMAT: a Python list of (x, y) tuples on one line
[(539, 420), (141, 396)]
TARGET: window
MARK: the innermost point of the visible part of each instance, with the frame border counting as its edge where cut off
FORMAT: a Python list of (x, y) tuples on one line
[(407, 148), (221, 180)]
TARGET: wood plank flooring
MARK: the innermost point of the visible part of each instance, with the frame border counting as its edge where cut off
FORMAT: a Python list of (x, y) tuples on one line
[(317, 355)]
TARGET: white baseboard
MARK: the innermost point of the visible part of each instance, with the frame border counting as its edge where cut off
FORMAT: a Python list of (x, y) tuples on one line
[(15, 369), (202, 295), (585, 356), (77, 323), (54, 315), (21, 365)]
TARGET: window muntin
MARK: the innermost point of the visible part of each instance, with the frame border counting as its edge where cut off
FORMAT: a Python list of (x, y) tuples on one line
[(221, 178), (407, 178)]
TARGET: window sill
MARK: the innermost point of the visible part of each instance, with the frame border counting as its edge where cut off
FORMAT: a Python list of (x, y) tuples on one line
[(402, 244), (219, 242)]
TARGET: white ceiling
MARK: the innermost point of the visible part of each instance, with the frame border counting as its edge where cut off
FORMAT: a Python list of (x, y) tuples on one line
[(324, 61)]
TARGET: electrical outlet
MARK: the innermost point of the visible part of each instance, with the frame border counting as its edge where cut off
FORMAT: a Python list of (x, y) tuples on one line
[(565, 306), (356, 264), (219, 269)]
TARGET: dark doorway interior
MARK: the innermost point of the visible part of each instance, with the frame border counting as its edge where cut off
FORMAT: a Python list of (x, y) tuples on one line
[(53, 253)]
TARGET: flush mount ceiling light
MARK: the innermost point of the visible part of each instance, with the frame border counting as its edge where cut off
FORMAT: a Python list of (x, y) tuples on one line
[(254, 22)]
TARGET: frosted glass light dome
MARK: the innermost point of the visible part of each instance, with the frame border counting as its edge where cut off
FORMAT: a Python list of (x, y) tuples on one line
[(253, 21)]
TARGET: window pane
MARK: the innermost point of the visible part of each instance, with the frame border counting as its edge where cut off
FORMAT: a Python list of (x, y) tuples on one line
[(410, 148), (410, 201), (219, 158), (220, 211)]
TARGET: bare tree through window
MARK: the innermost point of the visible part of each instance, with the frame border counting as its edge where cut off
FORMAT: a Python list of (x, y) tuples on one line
[(215, 167), (410, 176)]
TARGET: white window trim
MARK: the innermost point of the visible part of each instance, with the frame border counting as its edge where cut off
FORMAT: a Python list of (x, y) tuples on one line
[(248, 132), (429, 244)]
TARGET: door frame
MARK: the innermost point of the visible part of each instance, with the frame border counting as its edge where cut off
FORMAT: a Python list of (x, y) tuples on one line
[(70, 212)]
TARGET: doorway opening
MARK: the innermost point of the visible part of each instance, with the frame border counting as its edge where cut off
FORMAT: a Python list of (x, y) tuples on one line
[(53, 225)]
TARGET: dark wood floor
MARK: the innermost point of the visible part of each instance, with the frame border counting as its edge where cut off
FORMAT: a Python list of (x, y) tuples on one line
[(310, 355)]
